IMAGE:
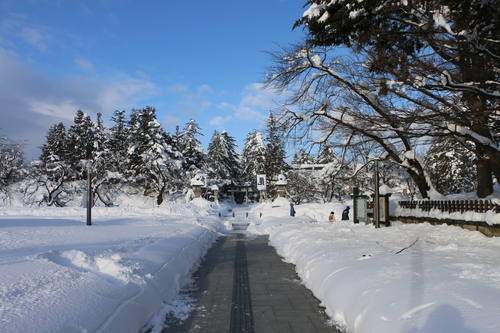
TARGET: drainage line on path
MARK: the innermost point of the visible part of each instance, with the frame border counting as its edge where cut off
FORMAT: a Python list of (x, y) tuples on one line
[(241, 314)]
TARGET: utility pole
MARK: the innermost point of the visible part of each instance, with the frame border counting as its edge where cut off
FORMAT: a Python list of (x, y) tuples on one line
[(377, 195), (89, 194)]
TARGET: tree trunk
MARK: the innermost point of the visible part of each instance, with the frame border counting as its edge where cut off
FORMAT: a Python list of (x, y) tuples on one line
[(484, 186), (421, 183), (495, 165)]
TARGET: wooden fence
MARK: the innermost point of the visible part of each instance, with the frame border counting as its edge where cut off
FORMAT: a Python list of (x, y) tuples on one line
[(451, 206)]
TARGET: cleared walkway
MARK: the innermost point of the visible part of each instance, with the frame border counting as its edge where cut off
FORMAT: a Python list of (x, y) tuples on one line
[(244, 286)]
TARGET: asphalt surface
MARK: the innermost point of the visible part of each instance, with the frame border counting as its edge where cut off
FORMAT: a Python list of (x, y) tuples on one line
[(243, 285)]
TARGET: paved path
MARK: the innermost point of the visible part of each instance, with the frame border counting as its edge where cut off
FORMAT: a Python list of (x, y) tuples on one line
[(244, 286)]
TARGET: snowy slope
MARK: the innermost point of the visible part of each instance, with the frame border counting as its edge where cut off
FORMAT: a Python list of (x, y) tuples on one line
[(60, 275), (406, 278)]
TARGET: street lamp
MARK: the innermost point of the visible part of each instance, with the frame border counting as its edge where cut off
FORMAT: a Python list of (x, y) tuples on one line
[(89, 194)]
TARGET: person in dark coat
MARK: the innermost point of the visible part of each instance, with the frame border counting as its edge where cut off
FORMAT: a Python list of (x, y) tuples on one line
[(292, 210), (345, 214)]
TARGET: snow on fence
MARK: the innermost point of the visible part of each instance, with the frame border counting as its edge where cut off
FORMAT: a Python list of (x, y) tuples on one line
[(239, 215), (451, 206)]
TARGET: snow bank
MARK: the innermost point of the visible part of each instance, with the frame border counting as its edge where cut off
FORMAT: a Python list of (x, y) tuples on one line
[(60, 275), (406, 278)]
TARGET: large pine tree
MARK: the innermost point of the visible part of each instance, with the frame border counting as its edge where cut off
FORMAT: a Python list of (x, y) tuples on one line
[(117, 143), (275, 158), (326, 154), (153, 164), (233, 158), (81, 141), (195, 156), (253, 161), (451, 166), (56, 146), (223, 161), (302, 157)]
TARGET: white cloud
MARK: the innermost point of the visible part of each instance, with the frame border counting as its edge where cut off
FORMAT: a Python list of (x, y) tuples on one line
[(169, 121), (34, 37), (255, 95), (247, 113), (178, 89), (125, 92), (85, 65), (254, 105), (34, 101), (64, 110), (219, 121), (205, 88), (192, 103)]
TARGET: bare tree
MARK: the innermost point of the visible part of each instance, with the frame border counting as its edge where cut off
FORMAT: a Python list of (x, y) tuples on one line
[(337, 89), (442, 55)]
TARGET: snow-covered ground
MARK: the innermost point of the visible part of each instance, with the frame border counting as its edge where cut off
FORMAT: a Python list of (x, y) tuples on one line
[(406, 278), (59, 275)]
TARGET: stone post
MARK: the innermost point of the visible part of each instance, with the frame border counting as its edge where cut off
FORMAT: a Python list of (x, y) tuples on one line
[(197, 183), (216, 193), (281, 185)]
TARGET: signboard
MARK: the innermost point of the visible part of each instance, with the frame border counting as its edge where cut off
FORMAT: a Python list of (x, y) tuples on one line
[(203, 178), (261, 182), (382, 208), (360, 206)]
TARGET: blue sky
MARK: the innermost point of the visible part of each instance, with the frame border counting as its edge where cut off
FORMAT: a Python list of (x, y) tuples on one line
[(200, 59)]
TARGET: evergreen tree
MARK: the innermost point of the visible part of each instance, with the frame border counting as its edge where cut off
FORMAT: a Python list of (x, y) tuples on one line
[(233, 158), (100, 136), (222, 157), (302, 157), (81, 142), (56, 147), (105, 162), (326, 154), (117, 142), (275, 159), (153, 164), (195, 156), (451, 166), (177, 139), (253, 161)]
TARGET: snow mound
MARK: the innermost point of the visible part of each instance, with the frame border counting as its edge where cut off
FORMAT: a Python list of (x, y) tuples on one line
[(108, 268)]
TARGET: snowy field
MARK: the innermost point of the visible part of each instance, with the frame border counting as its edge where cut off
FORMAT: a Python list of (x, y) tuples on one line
[(60, 275), (126, 270)]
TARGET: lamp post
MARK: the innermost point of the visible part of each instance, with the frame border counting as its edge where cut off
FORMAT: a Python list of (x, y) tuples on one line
[(376, 208), (281, 184), (89, 194)]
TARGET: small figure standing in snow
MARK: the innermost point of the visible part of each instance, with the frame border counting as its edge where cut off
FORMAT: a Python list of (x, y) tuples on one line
[(292, 210), (345, 214), (331, 218)]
